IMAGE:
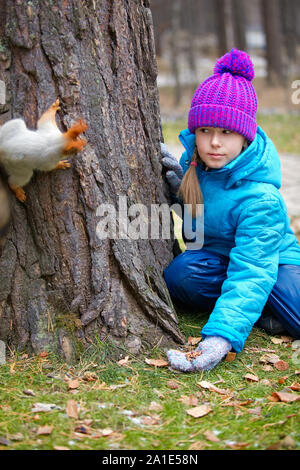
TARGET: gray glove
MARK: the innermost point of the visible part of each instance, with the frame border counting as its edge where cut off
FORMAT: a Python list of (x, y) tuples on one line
[(174, 172)]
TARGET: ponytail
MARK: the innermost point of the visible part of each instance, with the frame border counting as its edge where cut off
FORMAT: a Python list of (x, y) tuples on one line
[(190, 189)]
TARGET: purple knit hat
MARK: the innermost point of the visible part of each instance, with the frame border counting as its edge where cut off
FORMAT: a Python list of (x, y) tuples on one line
[(227, 99)]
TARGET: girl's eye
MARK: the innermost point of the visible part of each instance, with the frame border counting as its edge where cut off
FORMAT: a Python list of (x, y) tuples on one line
[(227, 131), (203, 130)]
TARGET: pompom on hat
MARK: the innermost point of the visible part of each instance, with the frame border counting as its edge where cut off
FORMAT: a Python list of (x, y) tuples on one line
[(227, 99)]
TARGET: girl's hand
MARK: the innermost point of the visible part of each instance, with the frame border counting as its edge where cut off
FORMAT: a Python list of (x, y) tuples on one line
[(174, 174), (212, 350)]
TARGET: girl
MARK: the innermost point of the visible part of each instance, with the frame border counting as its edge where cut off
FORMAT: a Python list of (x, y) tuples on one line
[(249, 266)]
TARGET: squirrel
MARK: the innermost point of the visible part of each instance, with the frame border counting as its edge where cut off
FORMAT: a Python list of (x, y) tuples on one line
[(23, 150)]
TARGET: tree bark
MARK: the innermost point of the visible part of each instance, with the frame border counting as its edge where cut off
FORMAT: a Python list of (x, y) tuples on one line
[(61, 286)]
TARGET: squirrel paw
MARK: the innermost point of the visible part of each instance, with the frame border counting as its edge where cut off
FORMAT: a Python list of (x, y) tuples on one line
[(19, 192), (62, 165)]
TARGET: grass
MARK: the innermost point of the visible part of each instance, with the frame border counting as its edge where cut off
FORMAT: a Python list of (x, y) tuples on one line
[(117, 398), (283, 129)]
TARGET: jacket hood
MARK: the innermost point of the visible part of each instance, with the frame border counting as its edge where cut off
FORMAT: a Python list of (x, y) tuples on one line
[(258, 162)]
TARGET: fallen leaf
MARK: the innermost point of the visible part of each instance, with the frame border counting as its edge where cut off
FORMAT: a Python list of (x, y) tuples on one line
[(72, 409), (213, 388), (60, 448), (199, 411), (194, 340), (198, 445), (281, 365), (72, 384), (288, 442), (276, 340), (296, 344), (192, 400), (124, 361), (29, 392), (267, 368), (154, 406), (230, 356), (251, 378), (210, 436), (281, 380), (106, 432), (82, 429), (90, 376), (286, 339), (295, 386), (279, 423), (44, 354), (236, 445), (44, 407), (266, 382), (172, 384), (192, 355), (255, 411), (151, 420), (271, 358), (44, 430), (286, 397), (157, 362)]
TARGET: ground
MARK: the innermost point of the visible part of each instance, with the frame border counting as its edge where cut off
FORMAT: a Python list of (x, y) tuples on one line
[(249, 403)]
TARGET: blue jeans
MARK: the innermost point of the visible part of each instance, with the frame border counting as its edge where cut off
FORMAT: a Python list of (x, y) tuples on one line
[(194, 279)]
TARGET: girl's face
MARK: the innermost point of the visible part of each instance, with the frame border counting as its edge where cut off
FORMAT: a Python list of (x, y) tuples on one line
[(217, 147)]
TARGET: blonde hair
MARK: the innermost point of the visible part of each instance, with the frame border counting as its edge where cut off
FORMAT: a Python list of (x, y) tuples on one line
[(190, 188)]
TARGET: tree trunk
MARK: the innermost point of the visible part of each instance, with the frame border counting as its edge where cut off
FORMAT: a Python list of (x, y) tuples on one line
[(62, 287), (175, 49), (224, 21), (272, 27), (239, 23)]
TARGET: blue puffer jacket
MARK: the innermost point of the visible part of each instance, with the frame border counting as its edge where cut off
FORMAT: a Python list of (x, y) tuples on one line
[(244, 218)]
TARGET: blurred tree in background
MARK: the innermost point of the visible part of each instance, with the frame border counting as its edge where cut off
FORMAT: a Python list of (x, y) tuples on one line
[(191, 34)]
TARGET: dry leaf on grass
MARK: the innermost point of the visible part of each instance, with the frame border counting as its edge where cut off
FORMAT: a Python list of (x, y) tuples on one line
[(295, 386), (267, 368), (73, 384), (60, 448), (269, 358), (172, 384), (72, 409), (251, 377), (124, 361), (44, 407), (199, 411), (281, 365), (151, 420), (210, 436), (154, 406), (230, 356), (281, 380), (286, 397), (157, 362), (213, 388), (192, 355), (236, 445), (192, 400), (194, 340), (44, 354), (276, 340), (44, 430)]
